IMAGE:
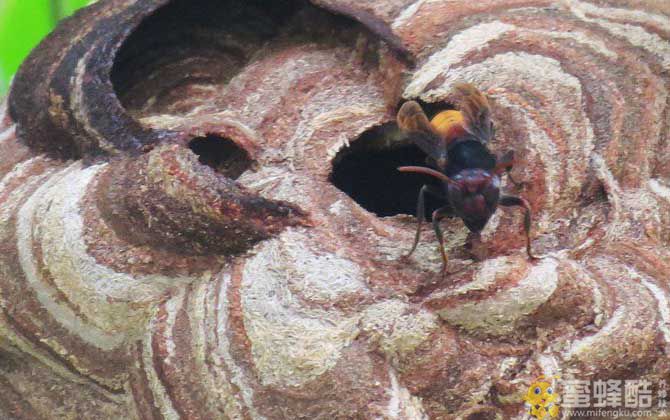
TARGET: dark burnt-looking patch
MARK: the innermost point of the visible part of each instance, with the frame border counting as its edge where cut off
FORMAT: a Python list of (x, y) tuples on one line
[(367, 172), (221, 154), (83, 90)]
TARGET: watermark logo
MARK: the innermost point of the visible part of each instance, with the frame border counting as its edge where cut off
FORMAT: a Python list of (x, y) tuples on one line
[(541, 399), (611, 398), (614, 398)]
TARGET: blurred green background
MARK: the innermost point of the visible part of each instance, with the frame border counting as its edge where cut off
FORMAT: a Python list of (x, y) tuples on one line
[(23, 23)]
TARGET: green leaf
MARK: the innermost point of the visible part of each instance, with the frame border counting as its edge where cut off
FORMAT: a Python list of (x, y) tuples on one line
[(23, 23)]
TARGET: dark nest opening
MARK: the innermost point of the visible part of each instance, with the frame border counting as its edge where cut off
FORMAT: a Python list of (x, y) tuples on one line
[(221, 154), (192, 43), (367, 172), (191, 48)]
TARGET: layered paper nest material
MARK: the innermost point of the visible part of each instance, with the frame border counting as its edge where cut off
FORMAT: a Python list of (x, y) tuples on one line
[(139, 280)]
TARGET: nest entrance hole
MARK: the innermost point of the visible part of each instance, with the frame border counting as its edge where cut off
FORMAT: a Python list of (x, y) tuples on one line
[(187, 46), (221, 154), (367, 172), (182, 55)]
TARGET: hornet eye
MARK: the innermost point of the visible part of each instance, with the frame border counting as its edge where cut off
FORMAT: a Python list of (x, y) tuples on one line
[(550, 391), (537, 390)]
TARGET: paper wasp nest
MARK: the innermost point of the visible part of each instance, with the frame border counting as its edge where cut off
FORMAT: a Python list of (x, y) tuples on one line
[(182, 234)]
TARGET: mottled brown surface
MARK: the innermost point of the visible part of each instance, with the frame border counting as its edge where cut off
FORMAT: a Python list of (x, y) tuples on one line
[(144, 277)]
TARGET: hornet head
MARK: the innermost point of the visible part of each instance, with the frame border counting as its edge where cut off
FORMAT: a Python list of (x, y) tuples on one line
[(473, 193)]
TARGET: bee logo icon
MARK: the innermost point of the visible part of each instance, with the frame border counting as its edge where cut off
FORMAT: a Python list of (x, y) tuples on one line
[(541, 399)]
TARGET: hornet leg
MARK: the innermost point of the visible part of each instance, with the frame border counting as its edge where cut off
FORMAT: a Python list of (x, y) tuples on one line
[(438, 215), (511, 201), (421, 212), (474, 245)]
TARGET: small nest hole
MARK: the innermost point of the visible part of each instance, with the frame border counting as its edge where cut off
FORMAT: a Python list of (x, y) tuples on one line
[(367, 172), (221, 154)]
